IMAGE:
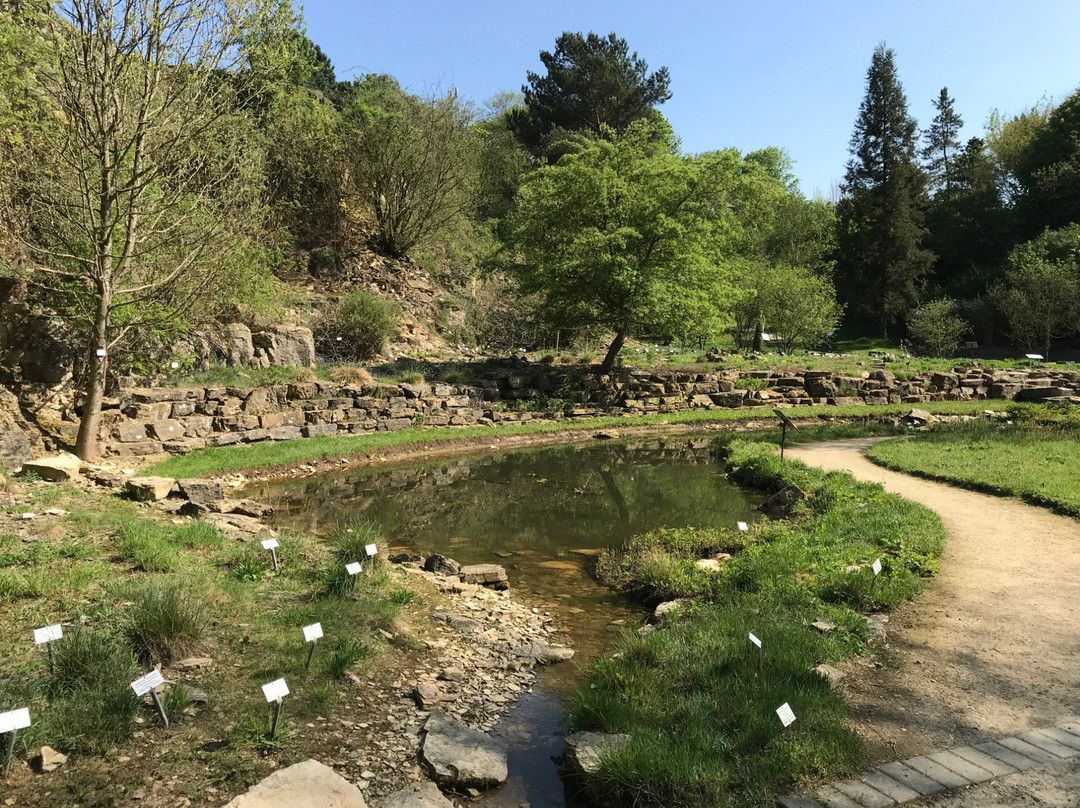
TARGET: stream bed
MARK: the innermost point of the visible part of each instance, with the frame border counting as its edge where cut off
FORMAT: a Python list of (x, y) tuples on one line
[(543, 514)]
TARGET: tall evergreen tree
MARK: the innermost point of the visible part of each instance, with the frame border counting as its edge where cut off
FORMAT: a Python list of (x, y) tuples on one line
[(942, 142), (882, 264)]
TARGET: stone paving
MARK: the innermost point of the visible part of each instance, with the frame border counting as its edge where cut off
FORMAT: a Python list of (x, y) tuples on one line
[(926, 775)]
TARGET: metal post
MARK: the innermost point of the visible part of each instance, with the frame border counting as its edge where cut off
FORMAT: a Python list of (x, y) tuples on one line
[(273, 555), (10, 752), (51, 663), (783, 437), (274, 720), (160, 709), (311, 653)]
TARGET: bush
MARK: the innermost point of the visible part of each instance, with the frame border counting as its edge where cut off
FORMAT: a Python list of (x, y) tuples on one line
[(364, 322), (937, 328), (166, 621)]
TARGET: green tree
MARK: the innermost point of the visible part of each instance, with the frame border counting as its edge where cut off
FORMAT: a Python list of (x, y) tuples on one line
[(415, 162), (1040, 295), (1050, 170), (882, 264), (592, 82), (942, 141), (937, 327), (504, 161), (795, 304), (624, 235)]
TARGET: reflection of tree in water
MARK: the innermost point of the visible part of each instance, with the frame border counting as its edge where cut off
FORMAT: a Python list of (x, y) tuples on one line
[(550, 501)]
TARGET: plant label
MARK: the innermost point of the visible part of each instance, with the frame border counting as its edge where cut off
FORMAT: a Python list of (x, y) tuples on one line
[(743, 526), (14, 720), (174, 365), (275, 690), (876, 566), (353, 568), (371, 550), (269, 544), (312, 632), (144, 684), (48, 634), (755, 640), (787, 717), (100, 352)]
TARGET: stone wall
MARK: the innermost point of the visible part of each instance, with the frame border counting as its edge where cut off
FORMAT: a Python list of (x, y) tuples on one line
[(149, 421)]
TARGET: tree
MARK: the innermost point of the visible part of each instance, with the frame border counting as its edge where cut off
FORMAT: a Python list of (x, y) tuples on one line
[(624, 235), (882, 263), (794, 304), (937, 327), (149, 167), (414, 161), (592, 82), (942, 143), (1050, 170), (1041, 292)]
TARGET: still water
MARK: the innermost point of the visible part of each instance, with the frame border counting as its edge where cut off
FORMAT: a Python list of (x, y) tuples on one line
[(544, 514)]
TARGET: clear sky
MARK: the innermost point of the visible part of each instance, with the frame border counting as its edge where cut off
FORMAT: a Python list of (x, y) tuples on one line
[(748, 74)]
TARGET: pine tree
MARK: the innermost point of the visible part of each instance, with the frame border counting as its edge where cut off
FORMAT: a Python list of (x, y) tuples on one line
[(882, 264), (942, 142)]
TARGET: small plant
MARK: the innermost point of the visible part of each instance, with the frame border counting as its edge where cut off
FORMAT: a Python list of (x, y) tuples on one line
[(402, 597), (346, 653), (147, 545), (752, 384), (250, 570), (166, 621), (257, 733), (174, 701), (418, 420), (348, 374), (198, 534), (350, 539), (29, 476)]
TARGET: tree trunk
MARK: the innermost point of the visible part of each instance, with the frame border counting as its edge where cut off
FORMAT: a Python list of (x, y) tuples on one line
[(86, 446), (613, 352)]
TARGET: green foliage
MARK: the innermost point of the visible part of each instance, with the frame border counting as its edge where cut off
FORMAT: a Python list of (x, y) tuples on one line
[(937, 328), (167, 619), (174, 700), (346, 653), (147, 544), (364, 322), (797, 306), (942, 143)]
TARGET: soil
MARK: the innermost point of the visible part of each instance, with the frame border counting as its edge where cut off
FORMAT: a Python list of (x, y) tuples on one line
[(989, 649)]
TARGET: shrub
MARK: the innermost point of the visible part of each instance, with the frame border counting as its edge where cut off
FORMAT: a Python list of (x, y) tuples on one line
[(167, 620), (937, 328), (365, 322)]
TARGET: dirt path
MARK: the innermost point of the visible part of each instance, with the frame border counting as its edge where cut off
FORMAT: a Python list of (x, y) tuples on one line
[(993, 645)]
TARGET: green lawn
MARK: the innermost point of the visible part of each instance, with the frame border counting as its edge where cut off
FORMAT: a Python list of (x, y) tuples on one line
[(1037, 463)]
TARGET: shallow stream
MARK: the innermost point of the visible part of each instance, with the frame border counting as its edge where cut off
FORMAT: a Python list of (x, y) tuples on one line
[(544, 514)]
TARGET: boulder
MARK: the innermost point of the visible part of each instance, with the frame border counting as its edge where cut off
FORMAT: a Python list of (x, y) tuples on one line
[(203, 493), (17, 438), (540, 653), (236, 345), (166, 429), (149, 489), (241, 528), (417, 795), (669, 606), (486, 574), (60, 468), (441, 564), (308, 783), (287, 345), (783, 500), (427, 695), (918, 418), (461, 758), (582, 754)]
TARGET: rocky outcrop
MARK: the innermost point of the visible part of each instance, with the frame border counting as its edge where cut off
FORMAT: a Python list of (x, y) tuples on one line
[(17, 439), (307, 783), (457, 757), (285, 345)]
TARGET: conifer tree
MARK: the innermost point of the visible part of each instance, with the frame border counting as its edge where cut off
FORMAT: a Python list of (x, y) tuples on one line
[(942, 142), (881, 263)]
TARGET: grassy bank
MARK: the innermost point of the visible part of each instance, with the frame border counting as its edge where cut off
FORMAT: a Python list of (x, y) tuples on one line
[(1035, 462), (697, 698), (265, 455)]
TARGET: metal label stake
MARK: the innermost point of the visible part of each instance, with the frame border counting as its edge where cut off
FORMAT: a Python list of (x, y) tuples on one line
[(275, 692), (10, 724), (271, 545), (149, 684), (785, 422), (312, 634), (47, 636)]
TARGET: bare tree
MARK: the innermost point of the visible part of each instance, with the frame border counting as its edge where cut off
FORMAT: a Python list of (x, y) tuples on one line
[(131, 219)]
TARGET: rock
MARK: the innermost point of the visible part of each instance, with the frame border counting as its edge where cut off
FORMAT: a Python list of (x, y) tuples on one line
[(405, 558), (582, 754), (458, 757), (875, 624), (303, 784), (918, 418), (710, 565), (237, 346), (50, 760), (669, 606), (452, 674), (427, 695), (287, 345), (203, 493), (463, 625), (783, 500), (606, 435), (149, 489), (540, 653), (487, 574), (417, 795), (191, 663), (166, 429), (58, 469), (834, 675), (244, 507), (194, 695), (823, 625), (441, 564), (239, 527), (130, 432)]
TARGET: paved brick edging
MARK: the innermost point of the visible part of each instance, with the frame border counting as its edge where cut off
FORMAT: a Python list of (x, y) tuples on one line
[(925, 775)]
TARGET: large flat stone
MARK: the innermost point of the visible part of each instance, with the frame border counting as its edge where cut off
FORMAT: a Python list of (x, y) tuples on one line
[(309, 784), (456, 756), (1007, 756), (149, 489), (863, 794), (796, 801), (891, 788), (1029, 751), (914, 780), (203, 493), (965, 768), (831, 798), (417, 795), (935, 771), (60, 468), (1042, 740), (486, 574), (1063, 737), (991, 764)]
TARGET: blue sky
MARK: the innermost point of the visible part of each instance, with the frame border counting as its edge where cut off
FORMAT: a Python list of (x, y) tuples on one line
[(748, 74)]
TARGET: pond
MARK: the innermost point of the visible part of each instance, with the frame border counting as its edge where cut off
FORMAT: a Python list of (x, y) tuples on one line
[(543, 514)]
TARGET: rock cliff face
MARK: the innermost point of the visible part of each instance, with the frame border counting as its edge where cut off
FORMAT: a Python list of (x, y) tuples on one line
[(18, 440)]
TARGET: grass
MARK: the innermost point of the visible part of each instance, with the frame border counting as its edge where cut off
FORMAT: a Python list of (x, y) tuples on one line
[(283, 453), (696, 697), (167, 621), (1035, 462)]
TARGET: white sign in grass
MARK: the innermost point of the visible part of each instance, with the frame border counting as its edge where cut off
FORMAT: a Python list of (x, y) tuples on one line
[(144, 684), (14, 720), (787, 716), (48, 634), (275, 690), (371, 550), (876, 566), (313, 632), (743, 526), (353, 568), (269, 544), (755, 640)]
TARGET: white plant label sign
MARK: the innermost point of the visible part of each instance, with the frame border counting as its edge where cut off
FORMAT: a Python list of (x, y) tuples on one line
[(755, 640), (743, 526), (15, 720), (312, 632), (275, 690), (48, 634), (269, 544), (876, 566), (353, 568), (371, 550), (787, 717), (144, 684)]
